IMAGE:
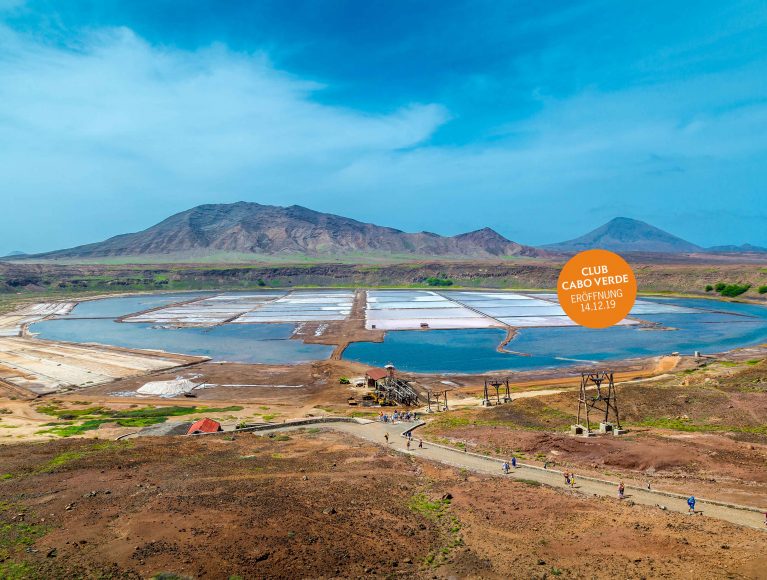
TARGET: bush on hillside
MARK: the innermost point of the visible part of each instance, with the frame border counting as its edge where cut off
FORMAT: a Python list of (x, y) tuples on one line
[(732, 290), (434, 281)]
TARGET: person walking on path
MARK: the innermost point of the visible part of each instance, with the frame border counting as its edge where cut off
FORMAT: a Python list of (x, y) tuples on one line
[(572, 480), (420, 444), (514, 462), (621, 490), (506, 467), (386, 436), (408, 445), (691, 504), (567, 477)]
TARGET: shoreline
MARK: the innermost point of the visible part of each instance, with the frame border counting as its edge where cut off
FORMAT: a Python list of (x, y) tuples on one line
[(638, 364)]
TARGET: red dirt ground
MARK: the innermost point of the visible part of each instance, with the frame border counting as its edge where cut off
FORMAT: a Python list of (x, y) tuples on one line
[(320, 504)]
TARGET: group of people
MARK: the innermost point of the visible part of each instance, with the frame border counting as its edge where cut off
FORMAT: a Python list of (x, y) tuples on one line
[(408, 442), (506, 467), (397, 416), (569, 479)]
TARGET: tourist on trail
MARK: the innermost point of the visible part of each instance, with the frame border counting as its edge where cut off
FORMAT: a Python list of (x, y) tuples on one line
[(386, 436), (572, 480), (506, 467), (621, 490), (691, 504), (415, 415), (567, 477), (514, 462), (420, 446), (407, 444)]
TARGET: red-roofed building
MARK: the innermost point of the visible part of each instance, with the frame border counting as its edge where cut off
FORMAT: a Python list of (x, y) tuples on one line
[(204, 426), (375, 375)]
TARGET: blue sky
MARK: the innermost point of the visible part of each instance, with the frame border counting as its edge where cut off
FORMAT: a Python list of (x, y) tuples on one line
[(539, 119)]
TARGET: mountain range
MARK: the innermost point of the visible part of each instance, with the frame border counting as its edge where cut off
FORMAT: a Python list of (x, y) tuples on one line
[(248, 230), (253, 229)]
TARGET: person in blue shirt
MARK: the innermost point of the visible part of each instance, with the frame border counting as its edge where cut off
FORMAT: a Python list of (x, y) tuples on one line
[(514, 462), (691, 503)]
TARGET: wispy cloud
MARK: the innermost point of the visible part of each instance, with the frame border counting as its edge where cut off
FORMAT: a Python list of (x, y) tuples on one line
[(109, 133), (116, 117)]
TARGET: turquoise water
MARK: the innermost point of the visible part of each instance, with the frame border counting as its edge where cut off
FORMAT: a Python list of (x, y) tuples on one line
[(93, 321), (712, 327), (718, 327)]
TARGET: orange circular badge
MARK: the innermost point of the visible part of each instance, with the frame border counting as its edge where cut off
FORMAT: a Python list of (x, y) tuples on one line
[(597, 288)]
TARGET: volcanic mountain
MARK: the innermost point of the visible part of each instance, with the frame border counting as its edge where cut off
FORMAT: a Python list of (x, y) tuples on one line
[(627, 235), (253, 229)]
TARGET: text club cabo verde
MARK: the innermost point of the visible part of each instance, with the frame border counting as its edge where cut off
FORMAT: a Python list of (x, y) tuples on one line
[(595, 276)]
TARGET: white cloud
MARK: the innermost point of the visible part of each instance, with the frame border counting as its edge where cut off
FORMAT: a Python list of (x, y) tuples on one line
[(115, 116), (114, 134)]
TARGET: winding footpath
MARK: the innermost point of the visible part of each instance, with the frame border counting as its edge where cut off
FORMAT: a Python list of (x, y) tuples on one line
[(375, 431)]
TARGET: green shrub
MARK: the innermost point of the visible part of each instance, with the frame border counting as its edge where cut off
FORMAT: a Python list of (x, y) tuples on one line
[(344, 381), (720, 286), (732, 290), (762, 290), (438, 281), (709, 287)]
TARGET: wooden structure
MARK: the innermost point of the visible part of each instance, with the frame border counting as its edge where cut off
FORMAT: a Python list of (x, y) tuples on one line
[(499, 386), (604, 400), (372, 376), (432, 398), (390, 390)]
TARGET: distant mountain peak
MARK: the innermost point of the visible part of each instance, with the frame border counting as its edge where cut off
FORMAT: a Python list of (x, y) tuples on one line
[(624, 234), (247, 228)]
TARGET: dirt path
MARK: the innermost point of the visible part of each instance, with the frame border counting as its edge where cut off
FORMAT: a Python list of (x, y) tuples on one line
[(375, 431)]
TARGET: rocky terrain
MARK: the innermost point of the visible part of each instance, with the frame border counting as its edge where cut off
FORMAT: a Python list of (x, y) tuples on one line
[(253, 229)]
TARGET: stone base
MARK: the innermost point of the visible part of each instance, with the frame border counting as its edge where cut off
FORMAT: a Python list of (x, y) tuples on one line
[(606, 427), (507, 399), (617, 432), (487, 403), (581, 431)]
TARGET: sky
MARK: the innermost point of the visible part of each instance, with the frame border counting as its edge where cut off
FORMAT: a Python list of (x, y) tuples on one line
[(542, 120)]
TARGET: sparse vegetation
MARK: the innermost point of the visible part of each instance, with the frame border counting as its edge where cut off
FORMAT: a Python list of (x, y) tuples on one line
[(438, 281), (78, 421), (762, 290)]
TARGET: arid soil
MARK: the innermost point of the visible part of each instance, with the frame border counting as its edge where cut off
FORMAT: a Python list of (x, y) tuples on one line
[(699, 431), (316, 504)]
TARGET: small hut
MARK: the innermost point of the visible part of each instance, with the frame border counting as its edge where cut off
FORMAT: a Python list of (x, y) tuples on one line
[(372, 376), (204, 426)]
